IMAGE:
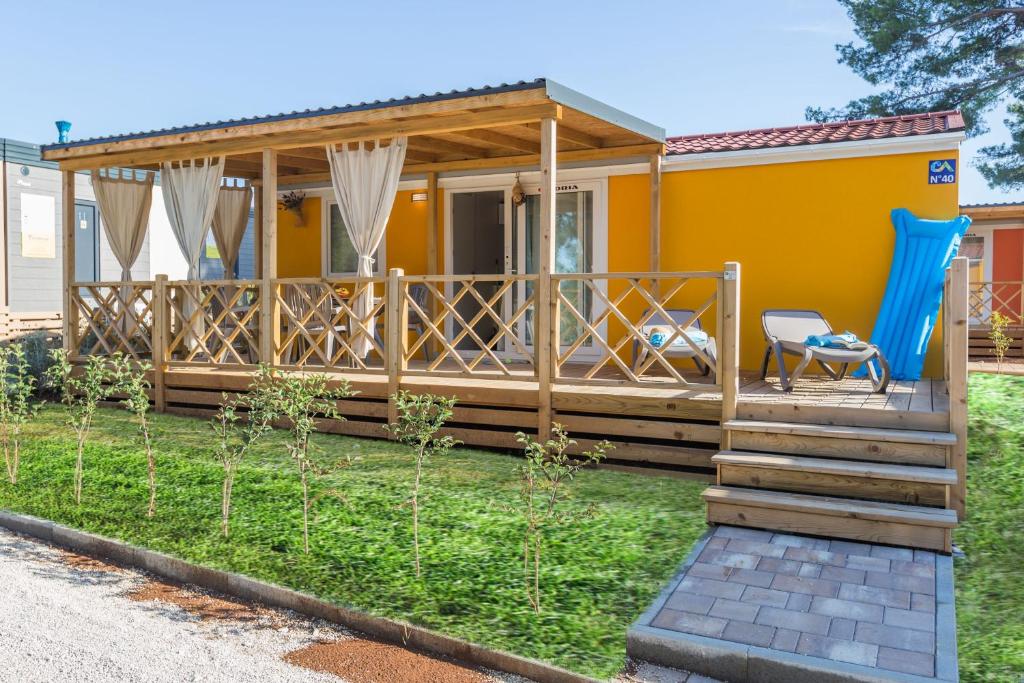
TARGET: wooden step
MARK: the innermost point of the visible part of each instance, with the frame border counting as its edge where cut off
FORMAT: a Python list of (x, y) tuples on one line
[(897, 483), (894, 524), (904, 446)]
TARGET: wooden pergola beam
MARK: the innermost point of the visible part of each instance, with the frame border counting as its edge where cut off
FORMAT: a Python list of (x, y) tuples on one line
[(282, 141), (501, 140), (573, 135), (432, 144)]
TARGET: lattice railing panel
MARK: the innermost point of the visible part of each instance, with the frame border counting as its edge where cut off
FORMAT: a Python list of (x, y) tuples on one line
[(986, 298), (321, 326), (214, 322), (604, 323), (471, 324), (113, 317)]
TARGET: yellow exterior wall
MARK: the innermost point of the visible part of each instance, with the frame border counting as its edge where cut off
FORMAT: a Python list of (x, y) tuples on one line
[(814, 234), (298, 248)]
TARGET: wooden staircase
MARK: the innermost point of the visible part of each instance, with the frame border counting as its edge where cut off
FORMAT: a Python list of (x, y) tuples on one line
[(878, 485)]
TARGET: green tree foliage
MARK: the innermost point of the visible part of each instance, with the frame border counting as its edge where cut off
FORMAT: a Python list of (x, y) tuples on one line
[(544, 479), (1000, 340), (420, 418), (937, 55), (130, 381), (16, 406), (300, 400), (236, 434), (80, 392)]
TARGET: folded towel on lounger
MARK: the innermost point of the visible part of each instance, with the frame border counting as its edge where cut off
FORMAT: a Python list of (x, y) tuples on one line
[(658, 335), (846, 340)]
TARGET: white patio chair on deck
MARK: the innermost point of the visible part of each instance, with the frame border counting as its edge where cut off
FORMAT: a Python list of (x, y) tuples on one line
[(679, 348)]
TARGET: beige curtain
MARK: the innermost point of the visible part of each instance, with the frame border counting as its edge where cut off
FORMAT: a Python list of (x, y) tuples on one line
[(190, 197), (124, 205), (229, 221)]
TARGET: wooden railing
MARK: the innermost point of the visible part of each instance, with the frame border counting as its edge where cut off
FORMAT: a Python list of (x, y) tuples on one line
[(111, 317), (213, 322), (956, 317), (1005, 297)]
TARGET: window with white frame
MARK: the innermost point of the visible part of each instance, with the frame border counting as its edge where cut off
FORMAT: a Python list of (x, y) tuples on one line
[(341, 257)]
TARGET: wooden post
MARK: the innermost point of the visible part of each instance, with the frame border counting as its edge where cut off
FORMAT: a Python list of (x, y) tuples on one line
[(729, 353), (432, 223), (270, 313), (395, 331), (655, 256), (70, 326), (545, 306), (160, 327), (956, 328), (257, 225)]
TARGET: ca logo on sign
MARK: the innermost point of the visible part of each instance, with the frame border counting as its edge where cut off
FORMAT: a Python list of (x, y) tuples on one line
[(941, 171)]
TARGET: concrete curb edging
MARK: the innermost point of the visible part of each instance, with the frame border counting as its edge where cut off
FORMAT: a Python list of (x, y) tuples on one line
[(389, 630), (739, 663)]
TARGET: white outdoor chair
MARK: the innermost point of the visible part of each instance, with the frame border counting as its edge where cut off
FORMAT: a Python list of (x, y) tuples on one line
[(679, 348)]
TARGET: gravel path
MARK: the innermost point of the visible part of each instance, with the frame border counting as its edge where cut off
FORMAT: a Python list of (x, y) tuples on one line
[(68, 620)]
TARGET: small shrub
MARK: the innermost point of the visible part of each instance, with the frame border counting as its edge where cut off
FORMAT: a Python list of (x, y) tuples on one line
[(16, 406), (544, 477), (301, 399), (420, 417), (1000, 340), (130, 380), (81, 396), (234, 439)]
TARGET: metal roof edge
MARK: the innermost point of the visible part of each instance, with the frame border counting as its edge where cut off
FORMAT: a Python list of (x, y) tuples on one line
[(588, 105)]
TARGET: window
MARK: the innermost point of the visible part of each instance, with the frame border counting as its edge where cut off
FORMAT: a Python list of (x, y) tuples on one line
[(342, 258)]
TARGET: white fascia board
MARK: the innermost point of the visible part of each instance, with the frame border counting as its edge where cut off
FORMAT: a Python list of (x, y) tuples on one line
[(937, 142)]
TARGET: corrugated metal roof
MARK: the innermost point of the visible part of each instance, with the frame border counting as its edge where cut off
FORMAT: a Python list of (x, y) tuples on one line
[(993, 205), (20, 152)]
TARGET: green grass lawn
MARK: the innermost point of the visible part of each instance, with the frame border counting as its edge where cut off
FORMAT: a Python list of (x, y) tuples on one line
[(597, 576), (990, 580)]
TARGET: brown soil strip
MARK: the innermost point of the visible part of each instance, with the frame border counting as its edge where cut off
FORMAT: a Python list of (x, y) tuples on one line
[(200, 604), (85, 563), (368, 661)]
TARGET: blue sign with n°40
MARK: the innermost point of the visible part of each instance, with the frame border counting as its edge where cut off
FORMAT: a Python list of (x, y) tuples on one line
[(941, 171)]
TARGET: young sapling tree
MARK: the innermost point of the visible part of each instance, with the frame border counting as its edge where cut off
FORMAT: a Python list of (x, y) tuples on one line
[(1000, 340), (544, 479), (237, 434), (16, 405), (301, 400), (420, 418), (80, 393), (130, 380)]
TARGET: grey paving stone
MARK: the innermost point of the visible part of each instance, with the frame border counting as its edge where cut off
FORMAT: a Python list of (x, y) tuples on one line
[(859, 611), (733, 609), (718, 589), (765, 596), (849, 547), (800, 621), (902, 618), (689, 602), (785, 639), (842, 629), (779, 566), (798, 602), (899, 638), (704, 570), (752, 577), (922, 603), (816, 556), (905, 662), (717, 542), (842, 574), (809, 571), (889, 553), (903, 582), (728, 559), (697, 678), (924, 557), (751, 634), (688, 622), (800, 541), (744, 533), (838, 650), (921, 569), (872, 564), (742, 545), (874, 595), (796, 584)]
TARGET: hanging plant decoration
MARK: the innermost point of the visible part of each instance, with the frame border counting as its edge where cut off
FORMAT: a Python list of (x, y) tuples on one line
[(292, 201), (518, 195)]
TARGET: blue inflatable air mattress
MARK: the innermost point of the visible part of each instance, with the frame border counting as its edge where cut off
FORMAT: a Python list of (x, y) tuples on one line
[(913, 293)]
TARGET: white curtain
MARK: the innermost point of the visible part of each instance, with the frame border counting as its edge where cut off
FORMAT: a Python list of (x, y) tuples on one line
[(230, 219), (365, 182), (124, 207), (190, 196)]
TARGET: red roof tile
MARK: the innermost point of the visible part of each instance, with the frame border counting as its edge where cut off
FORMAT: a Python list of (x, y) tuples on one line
[(818, 133)]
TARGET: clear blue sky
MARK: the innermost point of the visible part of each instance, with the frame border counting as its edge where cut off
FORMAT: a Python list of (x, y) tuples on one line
[(691, 67)]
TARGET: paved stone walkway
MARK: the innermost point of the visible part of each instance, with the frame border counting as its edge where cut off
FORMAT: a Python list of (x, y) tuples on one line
[(850, 603)]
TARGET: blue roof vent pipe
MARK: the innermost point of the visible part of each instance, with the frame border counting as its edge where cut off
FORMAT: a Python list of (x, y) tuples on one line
[(63, 128)]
